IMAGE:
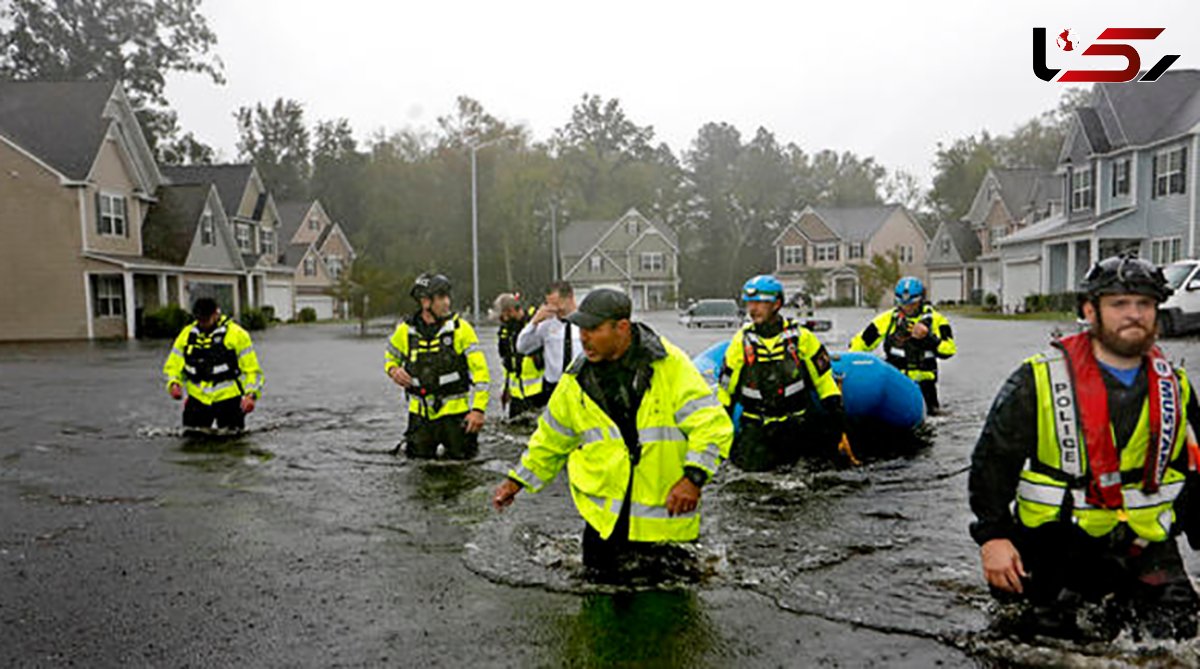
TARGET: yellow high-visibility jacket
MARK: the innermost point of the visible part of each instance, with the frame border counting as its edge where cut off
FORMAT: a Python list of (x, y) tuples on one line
[(679, 423), (449, 369), (917, 358), (791, 365), (215, 366)]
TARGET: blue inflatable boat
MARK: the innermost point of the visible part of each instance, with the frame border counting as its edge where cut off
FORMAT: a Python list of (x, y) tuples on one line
[(871, 388)]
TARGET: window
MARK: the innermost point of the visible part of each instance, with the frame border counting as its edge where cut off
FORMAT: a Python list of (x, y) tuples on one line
[(108, 291), (266, 240), (1120, 178), (111, 215), (945, 245), (333, 263), (793, 255), (1170, 171), (904, 253), (651, 262), (825, 252), (855, 251), (1166, 250), (632, 228), (1081, 190), (208, 234), (310, 266), (996, 232), (595, 263), (243, 237), (314, 224)]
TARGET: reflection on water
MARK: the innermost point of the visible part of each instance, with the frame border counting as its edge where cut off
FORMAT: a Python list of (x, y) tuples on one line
[(648, 628)]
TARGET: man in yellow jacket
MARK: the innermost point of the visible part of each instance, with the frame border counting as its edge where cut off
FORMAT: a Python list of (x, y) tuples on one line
[(436, 357), (213, 359), (638, 430), (914, 338)]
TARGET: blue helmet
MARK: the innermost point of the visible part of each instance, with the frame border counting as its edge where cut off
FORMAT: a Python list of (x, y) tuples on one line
[(762, 288), (909, 289)]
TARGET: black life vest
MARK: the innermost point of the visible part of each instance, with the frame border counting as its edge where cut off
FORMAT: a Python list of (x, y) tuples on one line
[(207, 358), (512, 359), (903, 351), (436, 368), (774, 382)]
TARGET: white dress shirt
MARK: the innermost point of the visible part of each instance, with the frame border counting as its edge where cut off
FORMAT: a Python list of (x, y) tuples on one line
[(548, 335)]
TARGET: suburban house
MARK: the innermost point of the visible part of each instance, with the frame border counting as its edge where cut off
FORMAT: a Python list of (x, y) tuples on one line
[(1007, 200), (252, 216), (836, 241), (77, 180), (318, 253), (953, 270), (1128, 177), (632, 253)]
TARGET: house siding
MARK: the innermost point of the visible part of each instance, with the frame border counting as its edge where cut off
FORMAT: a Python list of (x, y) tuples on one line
[(110, 177), (40, 258), (898, 230)]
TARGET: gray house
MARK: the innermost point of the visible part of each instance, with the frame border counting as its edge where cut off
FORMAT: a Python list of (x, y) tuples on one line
[(953, 271), (1128, 177), (632, 253)]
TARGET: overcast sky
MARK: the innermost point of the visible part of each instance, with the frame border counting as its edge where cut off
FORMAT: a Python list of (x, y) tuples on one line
[(882, 79)]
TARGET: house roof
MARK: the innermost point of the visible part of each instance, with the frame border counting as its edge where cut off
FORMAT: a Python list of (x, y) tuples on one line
[(856, 224), (579, 236), (293, 254), (230, 180), (291, 215), (170, 226), (62, 122), (1149, 113), (965, 241)]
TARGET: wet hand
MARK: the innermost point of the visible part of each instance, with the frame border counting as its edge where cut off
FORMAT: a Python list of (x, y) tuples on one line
[(505, 494), (683, 498), (920, 331), (1002, 565), (401, 377), (176, 391), (544, 312), (474, 421), (247, 403)]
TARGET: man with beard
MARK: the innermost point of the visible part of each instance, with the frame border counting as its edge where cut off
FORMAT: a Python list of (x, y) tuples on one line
[(1091, 442)]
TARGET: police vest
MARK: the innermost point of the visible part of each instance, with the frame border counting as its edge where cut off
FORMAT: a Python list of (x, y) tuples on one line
[(1054, 485), (206, 358), (773, 380), (438, 371)]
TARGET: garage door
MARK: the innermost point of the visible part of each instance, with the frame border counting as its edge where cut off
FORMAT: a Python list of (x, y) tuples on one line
[(279, 296), (945, 287), (322, 304), (1021, 279)]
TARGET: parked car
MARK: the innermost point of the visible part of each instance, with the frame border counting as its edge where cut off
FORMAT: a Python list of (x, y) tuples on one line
[(1181, 312), (718, 313)]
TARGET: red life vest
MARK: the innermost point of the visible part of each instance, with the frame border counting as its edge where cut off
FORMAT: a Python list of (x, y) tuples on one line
[(1166, 414)]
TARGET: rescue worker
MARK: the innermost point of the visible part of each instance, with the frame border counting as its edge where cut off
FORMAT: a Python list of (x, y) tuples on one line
[(638, 429), (213, 359), (783, 378), (914, 338), (524, 375), (1089, 439), (435, 356)]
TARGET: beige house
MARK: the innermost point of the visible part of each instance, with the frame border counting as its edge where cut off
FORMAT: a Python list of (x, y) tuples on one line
[(318, 252), (836, 241), (254, 221), (633, 253), (76, 182)]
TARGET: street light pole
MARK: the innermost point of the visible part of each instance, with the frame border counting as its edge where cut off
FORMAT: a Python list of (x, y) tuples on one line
[(554, 239), (475, 224)]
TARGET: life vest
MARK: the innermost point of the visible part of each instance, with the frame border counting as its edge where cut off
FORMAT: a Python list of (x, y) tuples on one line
[(1079, 475), (902, 350), (206, 358), (439, 372), (773, 380), (524, 374)]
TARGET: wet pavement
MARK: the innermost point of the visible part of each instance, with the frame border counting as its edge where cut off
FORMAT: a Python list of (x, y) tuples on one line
[(304, 542)]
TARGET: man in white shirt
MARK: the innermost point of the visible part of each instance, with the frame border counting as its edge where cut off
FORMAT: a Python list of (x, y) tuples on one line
[(549, 329)]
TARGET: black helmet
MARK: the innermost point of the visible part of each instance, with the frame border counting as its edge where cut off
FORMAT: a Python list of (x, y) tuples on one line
[(430, 285), (1125, 274)]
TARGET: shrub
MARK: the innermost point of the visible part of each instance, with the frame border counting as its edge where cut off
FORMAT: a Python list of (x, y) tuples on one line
[(991, 302), (254, 319), (269, 312), (165, 322), (1052, 302), (307, 315)]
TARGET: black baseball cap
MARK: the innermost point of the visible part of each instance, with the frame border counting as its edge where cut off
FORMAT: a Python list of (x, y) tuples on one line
[(601, 304)]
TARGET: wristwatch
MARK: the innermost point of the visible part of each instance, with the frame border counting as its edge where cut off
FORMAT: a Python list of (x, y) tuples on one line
[(697, 476)]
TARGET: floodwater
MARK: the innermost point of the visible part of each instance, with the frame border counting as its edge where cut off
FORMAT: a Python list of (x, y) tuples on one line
[(305, 542)]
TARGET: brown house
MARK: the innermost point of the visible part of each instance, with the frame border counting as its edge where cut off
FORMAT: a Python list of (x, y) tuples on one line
[(318, 252)]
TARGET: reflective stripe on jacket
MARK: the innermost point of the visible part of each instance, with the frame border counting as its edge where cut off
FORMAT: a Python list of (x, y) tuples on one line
[(449, 369), (1061, 468), (912, 356), (209, 376), (679, 423), (775, 372)]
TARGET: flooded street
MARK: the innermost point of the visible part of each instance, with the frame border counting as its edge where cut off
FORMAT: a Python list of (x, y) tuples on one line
[(306, 543)]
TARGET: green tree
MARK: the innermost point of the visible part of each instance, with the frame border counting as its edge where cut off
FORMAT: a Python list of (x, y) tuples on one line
[(878, 277), (337, 173), (135, 42), (597, 147), (275, 139), (837, 180)]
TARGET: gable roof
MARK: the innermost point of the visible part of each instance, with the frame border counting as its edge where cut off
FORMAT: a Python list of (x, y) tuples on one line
[(291, 215), (579, 236), (856, 224), (62, 123), (1144, 114), (170, 226), (230, 180), (965, 241)]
